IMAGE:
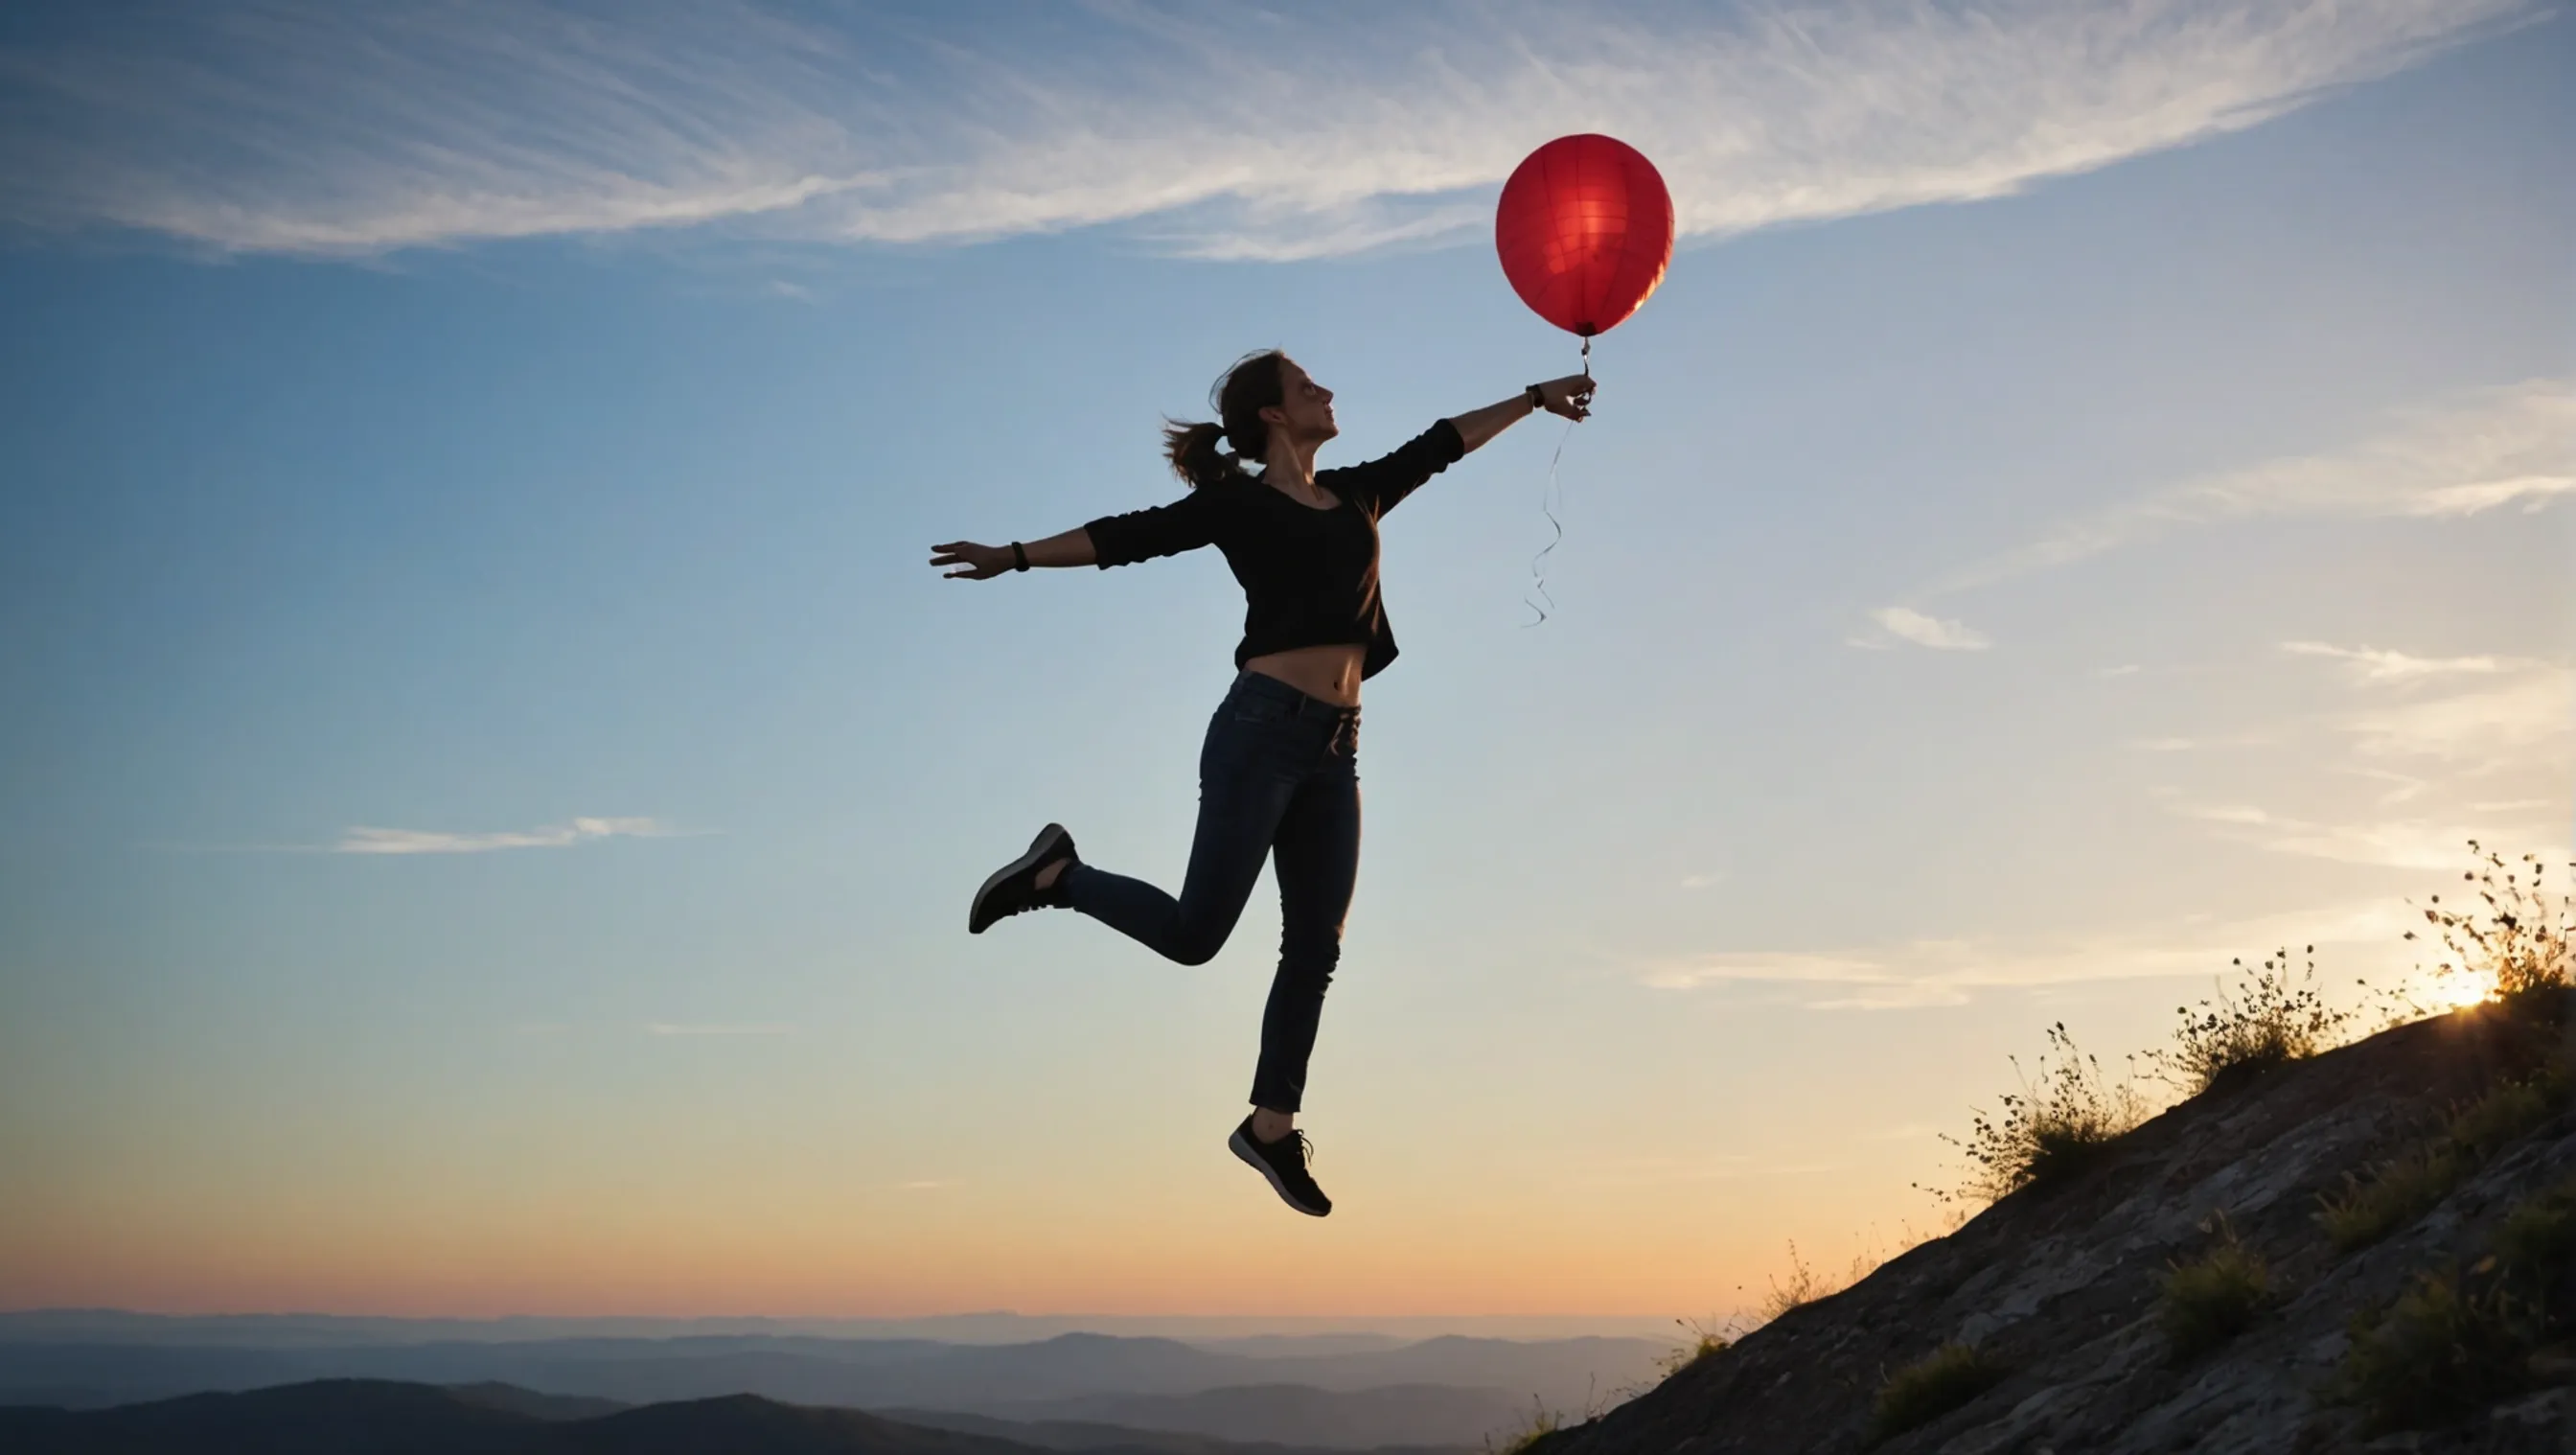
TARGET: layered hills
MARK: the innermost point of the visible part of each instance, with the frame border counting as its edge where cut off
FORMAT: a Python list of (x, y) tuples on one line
[(387, 1418), (1088, 1388)]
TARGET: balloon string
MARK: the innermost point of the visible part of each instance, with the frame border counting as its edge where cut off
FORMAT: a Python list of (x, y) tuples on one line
[(1548, 500)]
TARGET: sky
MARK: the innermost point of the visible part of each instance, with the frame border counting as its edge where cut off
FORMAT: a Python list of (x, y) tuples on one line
[(490, 790)]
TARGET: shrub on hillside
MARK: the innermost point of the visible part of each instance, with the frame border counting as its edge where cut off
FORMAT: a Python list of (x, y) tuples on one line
[(2459, 1340), (2517, 939), (2409, 1185), (2505, 1115), (1805, 1284), (2435, 1354), (2537, 1249), (2396, 1193), (1700, 1341), (2214, 1297), (1931, 1387), (2267, 1020), (2058, 1124), (1804, 1287)]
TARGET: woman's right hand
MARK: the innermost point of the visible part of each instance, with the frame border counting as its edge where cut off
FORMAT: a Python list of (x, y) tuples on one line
[(974, 562), (1570, 397)]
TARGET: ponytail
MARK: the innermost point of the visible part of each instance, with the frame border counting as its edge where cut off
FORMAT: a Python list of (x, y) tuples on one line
[(1194, 453), (1251, 386)]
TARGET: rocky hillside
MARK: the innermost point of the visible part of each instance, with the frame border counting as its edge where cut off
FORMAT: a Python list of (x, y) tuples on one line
[(2046, 1324)]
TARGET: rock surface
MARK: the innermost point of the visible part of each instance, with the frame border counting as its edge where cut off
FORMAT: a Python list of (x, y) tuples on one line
[(2060, 1285)]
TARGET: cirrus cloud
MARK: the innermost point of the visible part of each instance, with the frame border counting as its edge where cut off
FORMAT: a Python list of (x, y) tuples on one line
[(553, 836), (2460, 742), (2459, 456), (1904, 624), (302, 127), (1927, 974)]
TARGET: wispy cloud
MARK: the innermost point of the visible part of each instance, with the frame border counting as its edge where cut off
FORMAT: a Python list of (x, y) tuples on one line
[(1931, 973), (2531, 491), (2517, 716), (2523, 723), (554, 836), (1904, 624), (2461, 741), (2466, 455), (2373, 664), (2397, 843), (308, 127)]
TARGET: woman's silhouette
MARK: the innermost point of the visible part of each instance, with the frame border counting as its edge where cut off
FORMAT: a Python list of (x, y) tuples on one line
[(1277, 775)]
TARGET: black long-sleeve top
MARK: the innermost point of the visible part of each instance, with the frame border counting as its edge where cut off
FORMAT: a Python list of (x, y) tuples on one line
[(1309, 576)]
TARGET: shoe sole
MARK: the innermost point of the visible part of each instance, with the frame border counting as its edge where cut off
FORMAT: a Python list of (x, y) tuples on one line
[(1046, 841), (1243, 1149)]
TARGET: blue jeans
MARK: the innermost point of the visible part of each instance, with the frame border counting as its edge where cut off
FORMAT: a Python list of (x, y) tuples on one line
[(1279, 779)]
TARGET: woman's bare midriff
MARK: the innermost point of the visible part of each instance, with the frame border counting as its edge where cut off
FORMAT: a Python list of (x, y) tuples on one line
[(1329, 673)]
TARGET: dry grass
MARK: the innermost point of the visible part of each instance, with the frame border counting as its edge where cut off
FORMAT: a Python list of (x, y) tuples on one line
[(2438, 1352), (2409, 1185), (2537, 1248), (1699, 1341), (1931, 1387), (1543, 1422), (2507, 1114), (2214, 1297), (2396, 1193), (2268, 1019), (2464, 1338), (1805, 1285), (2057, 1125)]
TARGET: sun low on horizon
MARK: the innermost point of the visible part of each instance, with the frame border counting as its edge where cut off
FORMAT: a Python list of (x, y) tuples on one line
[(492, 798)]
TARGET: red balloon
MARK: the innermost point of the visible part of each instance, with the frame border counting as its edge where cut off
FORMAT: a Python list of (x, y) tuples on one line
[(1585, 229)]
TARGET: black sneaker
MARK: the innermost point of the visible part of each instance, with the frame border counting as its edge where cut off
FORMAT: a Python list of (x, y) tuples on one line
[(1014, 887), (1284, 1163)]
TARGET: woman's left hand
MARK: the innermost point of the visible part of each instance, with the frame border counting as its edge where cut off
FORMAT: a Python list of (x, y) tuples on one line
[(1570, 396), (974, 562)]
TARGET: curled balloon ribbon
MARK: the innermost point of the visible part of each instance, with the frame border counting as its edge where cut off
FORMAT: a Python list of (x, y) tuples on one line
[(1549, 501)]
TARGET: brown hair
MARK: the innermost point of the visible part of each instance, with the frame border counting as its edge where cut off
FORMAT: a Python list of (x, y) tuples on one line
[(1251, 386)]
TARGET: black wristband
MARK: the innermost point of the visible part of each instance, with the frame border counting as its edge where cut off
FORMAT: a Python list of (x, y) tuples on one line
[(1019, 557), (1537, 398)]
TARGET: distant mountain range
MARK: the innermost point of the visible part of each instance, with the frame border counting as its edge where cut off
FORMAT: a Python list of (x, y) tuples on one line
[(1260, 1337), (381, 1417), (1441, 1391), (1300, 1414)]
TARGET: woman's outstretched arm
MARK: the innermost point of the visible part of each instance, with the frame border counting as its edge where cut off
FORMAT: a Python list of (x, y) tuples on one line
[(1570, 396), (1113, 540), (975, 563)]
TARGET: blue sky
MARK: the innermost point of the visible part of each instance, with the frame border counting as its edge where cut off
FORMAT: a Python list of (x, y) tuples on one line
[(490, 788)]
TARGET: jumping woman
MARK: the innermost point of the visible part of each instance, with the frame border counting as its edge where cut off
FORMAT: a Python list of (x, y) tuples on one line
[(1277, 774)]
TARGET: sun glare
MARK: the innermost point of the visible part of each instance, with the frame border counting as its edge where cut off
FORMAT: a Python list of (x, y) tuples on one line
[(2459, 990)]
